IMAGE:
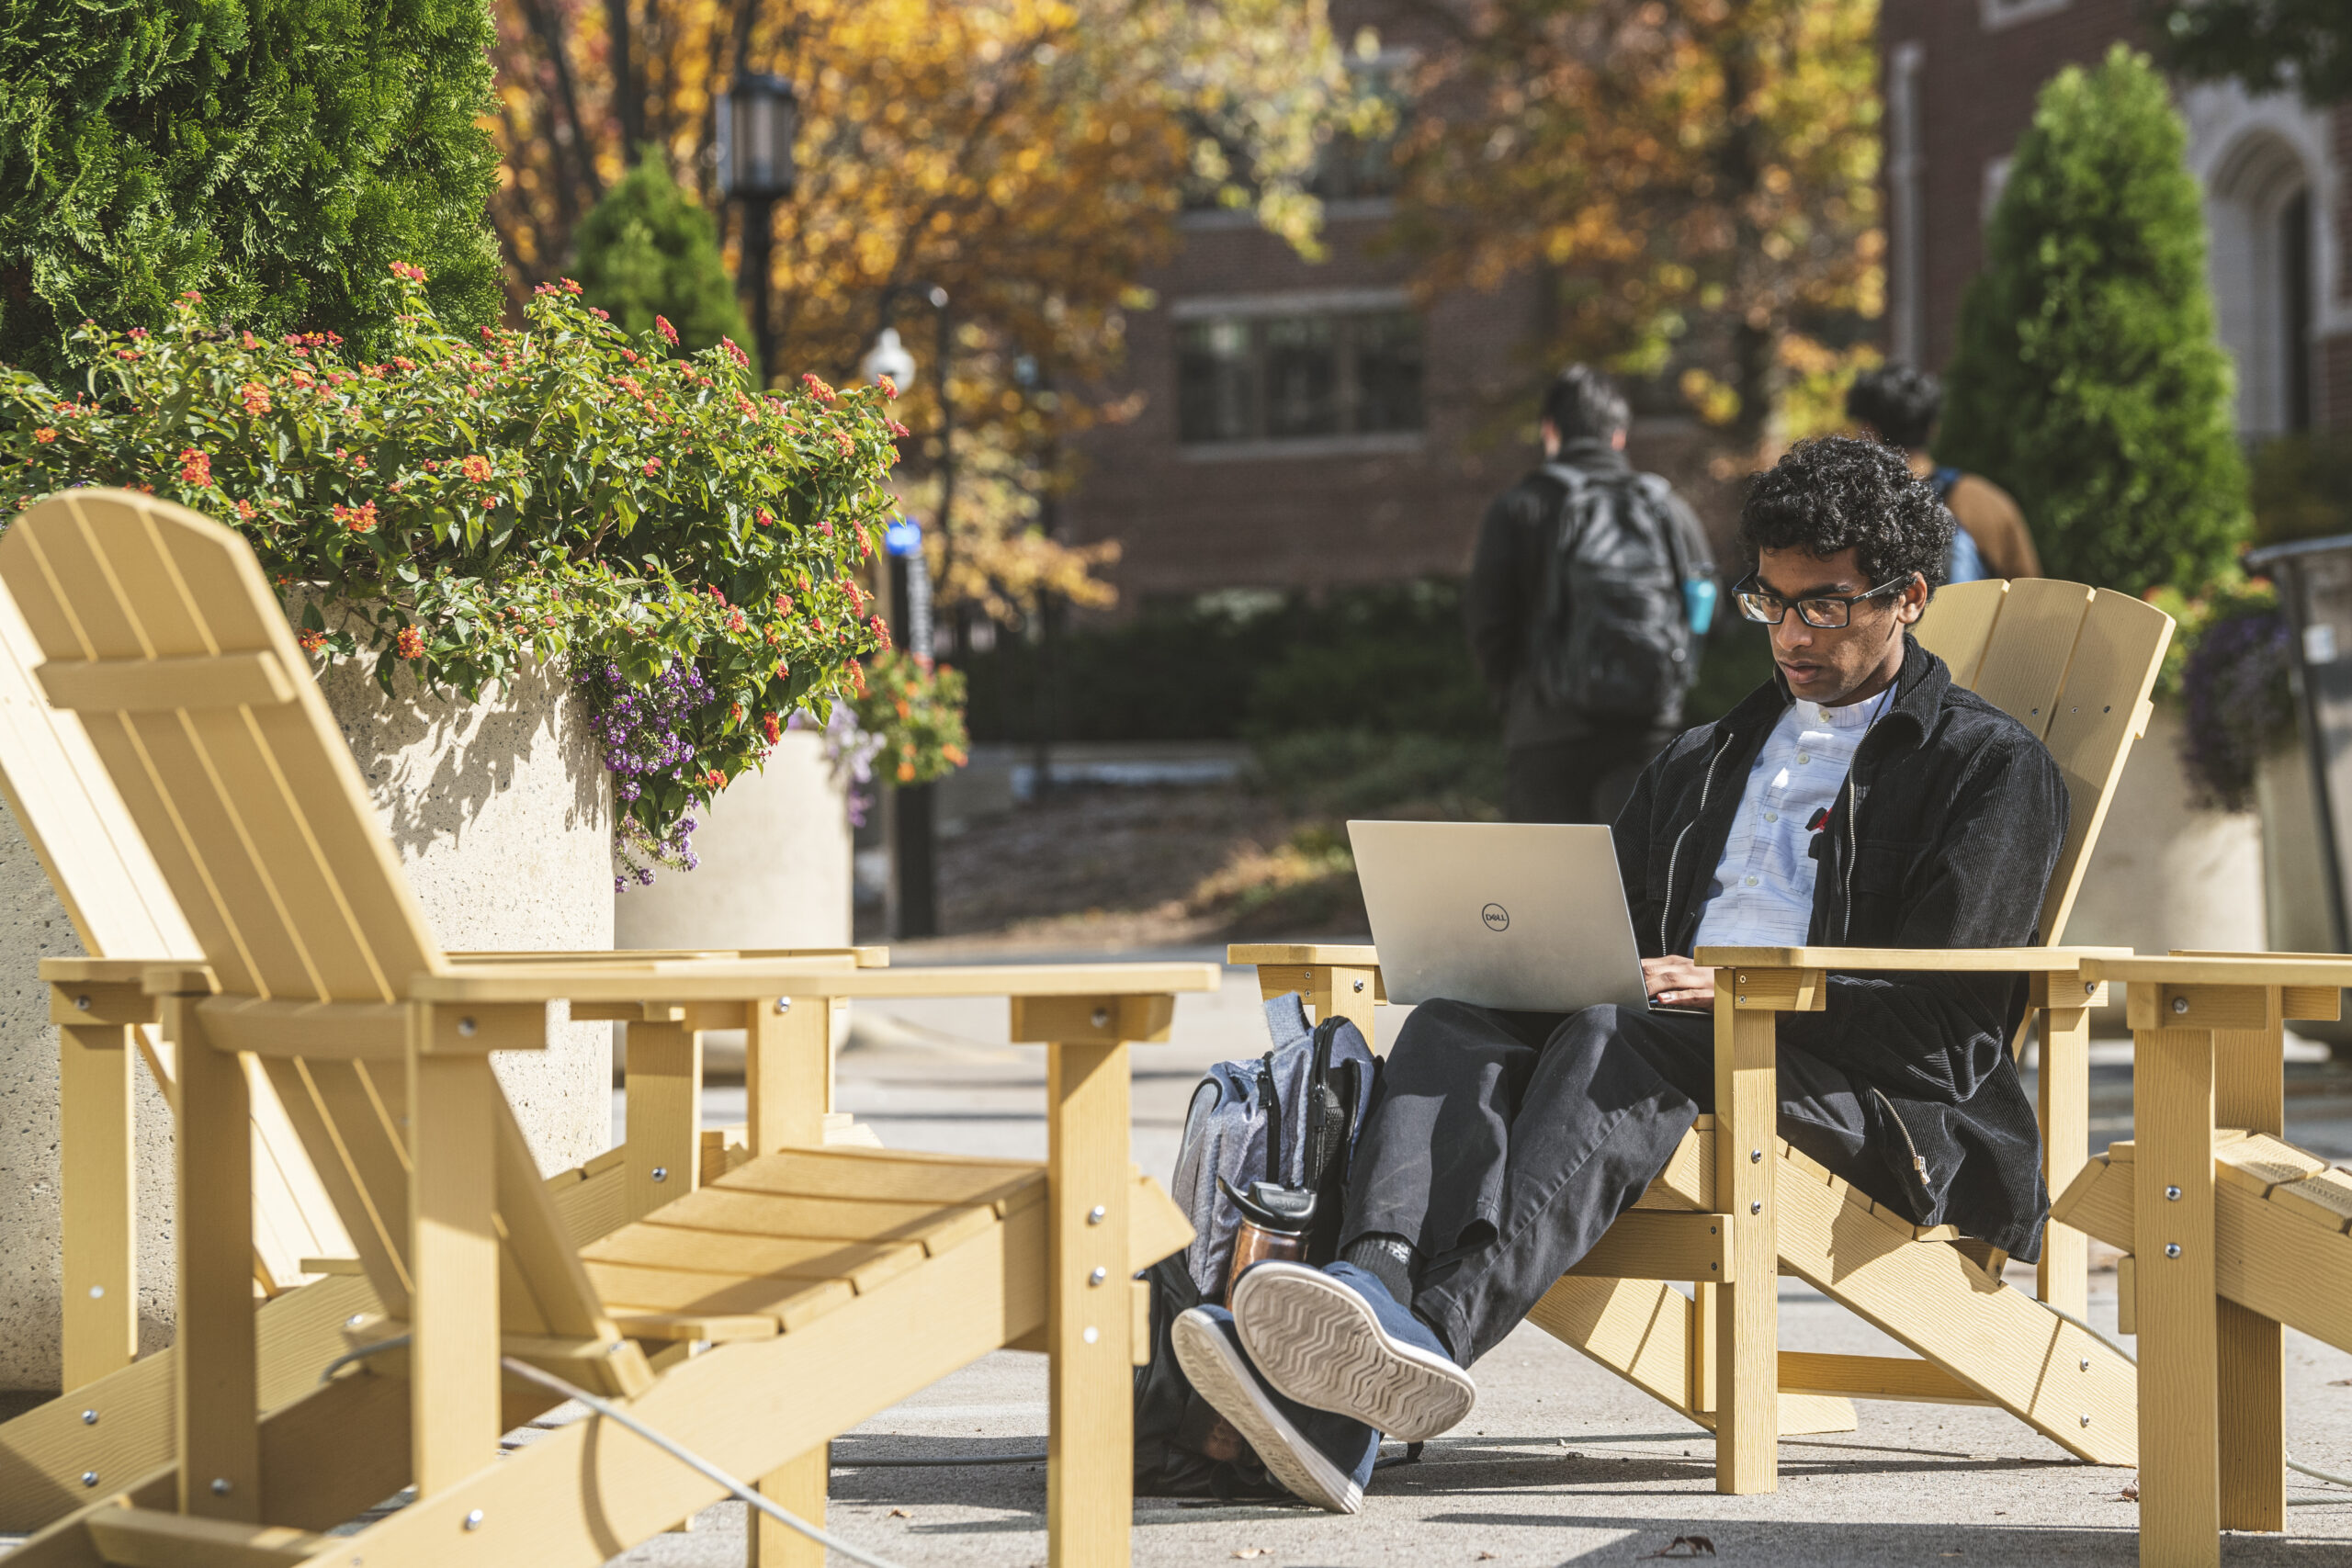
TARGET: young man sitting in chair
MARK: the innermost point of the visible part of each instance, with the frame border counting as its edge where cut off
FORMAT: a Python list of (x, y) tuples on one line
[(1859, 798)]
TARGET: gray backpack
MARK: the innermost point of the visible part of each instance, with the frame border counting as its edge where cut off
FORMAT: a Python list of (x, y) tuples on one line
[(1289, 1117), (1285, 1120)]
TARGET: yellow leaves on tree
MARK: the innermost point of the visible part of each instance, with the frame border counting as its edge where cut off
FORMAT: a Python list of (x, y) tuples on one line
[(1698, 176), (1029, 157)]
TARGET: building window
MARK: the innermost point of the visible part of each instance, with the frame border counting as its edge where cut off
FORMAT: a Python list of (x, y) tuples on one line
[(2007, 13), (1298, 377)]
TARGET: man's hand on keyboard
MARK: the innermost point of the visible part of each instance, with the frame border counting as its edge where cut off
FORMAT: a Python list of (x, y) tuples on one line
[(1676, 982)]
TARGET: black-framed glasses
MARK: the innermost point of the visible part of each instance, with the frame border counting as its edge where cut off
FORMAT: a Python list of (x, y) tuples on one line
[(1823, 612)]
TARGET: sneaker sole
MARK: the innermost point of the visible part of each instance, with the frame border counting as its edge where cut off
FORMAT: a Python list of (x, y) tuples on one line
[(1318, 1342), (1219, 1375)]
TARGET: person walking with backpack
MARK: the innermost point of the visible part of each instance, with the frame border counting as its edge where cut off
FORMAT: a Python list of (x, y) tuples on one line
[(1589, 589), (1900, 406)]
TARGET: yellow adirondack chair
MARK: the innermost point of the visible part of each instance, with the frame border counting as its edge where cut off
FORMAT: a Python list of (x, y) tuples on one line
[(2075, 665), (829, 1283), (2229, 1230), (112, 890)]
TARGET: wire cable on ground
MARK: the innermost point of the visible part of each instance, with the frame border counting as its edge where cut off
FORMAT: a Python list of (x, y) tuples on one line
[(693, 1461)]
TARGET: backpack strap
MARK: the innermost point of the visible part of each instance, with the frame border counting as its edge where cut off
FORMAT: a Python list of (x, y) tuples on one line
[(1945, 481)]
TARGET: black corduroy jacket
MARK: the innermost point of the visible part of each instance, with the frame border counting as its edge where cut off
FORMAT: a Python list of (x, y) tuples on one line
[(1944, 835)]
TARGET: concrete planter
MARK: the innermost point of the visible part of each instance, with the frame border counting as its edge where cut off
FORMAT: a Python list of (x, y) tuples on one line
[(774, 849), (2168, 874), (502, 814)]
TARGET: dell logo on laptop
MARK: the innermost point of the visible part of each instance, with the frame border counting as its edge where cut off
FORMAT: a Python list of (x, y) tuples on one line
[(1497, 918)]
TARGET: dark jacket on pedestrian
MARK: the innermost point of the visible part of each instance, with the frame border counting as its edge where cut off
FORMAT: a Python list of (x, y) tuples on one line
[(1506, 575), (1945, 836)]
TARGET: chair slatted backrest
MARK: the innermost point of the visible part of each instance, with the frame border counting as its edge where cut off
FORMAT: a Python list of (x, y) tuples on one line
[(2073, 664), (161, 632), (112, 890)]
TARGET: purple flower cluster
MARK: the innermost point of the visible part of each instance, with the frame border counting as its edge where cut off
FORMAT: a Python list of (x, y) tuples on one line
[(2239, 703), (641, 730)]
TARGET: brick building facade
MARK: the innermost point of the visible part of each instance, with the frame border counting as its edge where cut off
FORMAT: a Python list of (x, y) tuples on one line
[(1960, 77), (1304, 424), (1307, 424)]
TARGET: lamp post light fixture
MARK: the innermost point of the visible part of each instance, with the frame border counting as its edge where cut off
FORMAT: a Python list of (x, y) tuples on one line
[(907, 810), (759, 118)]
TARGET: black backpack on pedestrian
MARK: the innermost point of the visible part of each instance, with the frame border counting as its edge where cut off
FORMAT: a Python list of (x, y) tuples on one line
[(1611, 633), (1283, 1125)]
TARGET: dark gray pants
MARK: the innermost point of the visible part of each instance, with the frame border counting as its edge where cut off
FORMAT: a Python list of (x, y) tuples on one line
[(1504, 1143)]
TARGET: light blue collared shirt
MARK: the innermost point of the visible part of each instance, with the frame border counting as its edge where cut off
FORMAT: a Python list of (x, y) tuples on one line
[(1762, 894)]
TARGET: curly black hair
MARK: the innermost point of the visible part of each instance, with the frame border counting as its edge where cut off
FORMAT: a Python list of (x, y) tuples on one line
[(1835, 492), (1900, 403)]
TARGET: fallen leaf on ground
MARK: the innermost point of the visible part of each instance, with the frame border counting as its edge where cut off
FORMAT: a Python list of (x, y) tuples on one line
[(1486, 1557), (1255, 1552), (1687, 1546), (901, 1514), (2130, 1493)]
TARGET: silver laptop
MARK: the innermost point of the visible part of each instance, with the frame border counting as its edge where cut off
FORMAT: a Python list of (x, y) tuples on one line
[(1502, 914)]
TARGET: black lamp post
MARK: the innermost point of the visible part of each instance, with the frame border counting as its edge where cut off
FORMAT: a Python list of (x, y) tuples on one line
[(758, 119), (914, 880)]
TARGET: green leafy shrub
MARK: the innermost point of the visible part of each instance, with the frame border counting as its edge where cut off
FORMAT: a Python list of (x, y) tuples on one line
[(465, 504), (647, 250), (2087, 380), (274, 154)]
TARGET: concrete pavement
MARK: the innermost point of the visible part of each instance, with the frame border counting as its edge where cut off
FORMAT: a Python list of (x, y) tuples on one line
[(1561, 1462)]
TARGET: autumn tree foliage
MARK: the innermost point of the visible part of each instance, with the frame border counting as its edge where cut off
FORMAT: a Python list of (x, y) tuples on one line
[(1030, 157), (1695, 180)]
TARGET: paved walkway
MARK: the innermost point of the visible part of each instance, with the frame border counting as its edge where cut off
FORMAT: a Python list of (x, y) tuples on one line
[(1561, 1462)]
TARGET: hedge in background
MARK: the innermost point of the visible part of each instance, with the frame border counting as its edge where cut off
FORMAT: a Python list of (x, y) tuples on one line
[(647, 250), (2087, 380), (274, 154), (467, 503)]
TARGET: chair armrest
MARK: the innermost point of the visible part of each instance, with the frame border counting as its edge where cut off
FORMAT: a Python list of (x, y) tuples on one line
[(1953, 960), (2222, 969), (740, 981)]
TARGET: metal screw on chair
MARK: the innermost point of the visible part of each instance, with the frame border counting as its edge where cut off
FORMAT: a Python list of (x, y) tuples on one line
[(2086, 1417), (2089, 985), (473, 1518), (661, 1173), (97, 1292), (89, 1478), (1097, 1215), (2172, 1250), (82, 1003), (1359, 985), (2180, 1006), (89, 1418), (354, 1320), (1102, 1016), (1755, 1156), (1091, 1334), (2086, 1363), (1097, 1276), (2172, 1194), (220, 1487), (784, 1004), (1756, 1207), (468, 1027)]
